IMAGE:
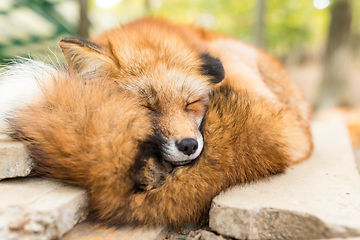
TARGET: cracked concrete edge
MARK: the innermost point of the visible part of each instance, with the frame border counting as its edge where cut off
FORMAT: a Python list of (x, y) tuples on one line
[(357, 158), (162, 234), (5, 138), (93, 230), (33, 223), (350, 238), (268, 223), (14, 159)]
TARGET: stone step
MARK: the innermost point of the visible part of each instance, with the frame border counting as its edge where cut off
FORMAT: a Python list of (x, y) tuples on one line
[(14, 159), (357, 157), (41, 209), (350, 238), (318, 198), (5, 138), (93, 231)]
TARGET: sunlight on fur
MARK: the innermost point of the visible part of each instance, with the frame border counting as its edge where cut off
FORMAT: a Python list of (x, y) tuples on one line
[(105, 122)]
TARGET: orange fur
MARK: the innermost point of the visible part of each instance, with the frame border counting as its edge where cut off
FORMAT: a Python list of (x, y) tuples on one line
[(147, 77), (153, 55), (79, 125), (89, 135)]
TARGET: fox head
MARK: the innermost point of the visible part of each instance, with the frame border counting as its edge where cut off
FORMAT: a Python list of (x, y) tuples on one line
[(169, 72)]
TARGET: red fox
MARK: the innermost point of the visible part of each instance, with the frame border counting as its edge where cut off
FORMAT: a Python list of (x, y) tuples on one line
[(100, 137), (154, 119), (175, 67)]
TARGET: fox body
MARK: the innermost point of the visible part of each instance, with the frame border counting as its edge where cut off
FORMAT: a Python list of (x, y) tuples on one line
[(96, 135), (175, 67), (156, 118)]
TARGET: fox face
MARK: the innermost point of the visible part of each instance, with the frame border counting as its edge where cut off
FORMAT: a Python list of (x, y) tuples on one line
[(177, 115), (171, 75)]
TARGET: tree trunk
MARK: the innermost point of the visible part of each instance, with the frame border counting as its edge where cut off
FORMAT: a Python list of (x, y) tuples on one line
[(333, 88), (147, 8), (84, 20), (259, 23)]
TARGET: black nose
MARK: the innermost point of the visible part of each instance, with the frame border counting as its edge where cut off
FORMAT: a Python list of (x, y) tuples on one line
[(188, 146)]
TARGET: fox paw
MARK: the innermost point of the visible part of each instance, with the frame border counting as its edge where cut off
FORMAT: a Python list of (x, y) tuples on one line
[(151, 174)]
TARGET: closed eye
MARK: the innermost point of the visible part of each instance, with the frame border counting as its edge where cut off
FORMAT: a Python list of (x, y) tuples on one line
[(194, 106), (150, 108), (187, 105)]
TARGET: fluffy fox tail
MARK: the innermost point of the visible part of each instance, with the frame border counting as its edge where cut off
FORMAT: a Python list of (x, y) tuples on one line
[(89, 134), (19, 85), (79, 131)]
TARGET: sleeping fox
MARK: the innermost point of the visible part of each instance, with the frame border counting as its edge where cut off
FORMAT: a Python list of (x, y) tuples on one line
[(99, 136), (154, 119), (175, 67)]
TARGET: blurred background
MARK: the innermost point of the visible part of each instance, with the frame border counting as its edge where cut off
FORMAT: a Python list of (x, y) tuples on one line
[(318, 40)]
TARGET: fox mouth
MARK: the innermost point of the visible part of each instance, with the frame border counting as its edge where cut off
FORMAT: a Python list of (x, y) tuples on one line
[(176, 162), (172, 155), (181, 163)]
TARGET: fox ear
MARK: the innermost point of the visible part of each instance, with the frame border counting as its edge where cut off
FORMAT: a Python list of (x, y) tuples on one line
[(212, 67), (88, 59)]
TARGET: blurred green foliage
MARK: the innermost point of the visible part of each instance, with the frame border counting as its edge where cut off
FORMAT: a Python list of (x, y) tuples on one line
[(292, 27), (31, 26)]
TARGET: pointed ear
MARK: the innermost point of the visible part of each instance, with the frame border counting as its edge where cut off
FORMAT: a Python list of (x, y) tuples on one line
[(212, 67), (88, 59)]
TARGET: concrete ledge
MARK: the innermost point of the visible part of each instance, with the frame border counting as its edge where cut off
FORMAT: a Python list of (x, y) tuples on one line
[(14, 159), (319, 198), (35, 208), (93, 231), (5, 138)]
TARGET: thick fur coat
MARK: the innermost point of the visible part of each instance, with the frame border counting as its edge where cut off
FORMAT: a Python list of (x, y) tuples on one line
[(91, 135), (175, 67), (110, 123)]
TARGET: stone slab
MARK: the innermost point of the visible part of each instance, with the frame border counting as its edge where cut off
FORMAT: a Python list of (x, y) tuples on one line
[(93, 231), (41, 209), (202, 235), (350, 238), (318, 198), (5, 138), (14, 159), (357, 157)]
